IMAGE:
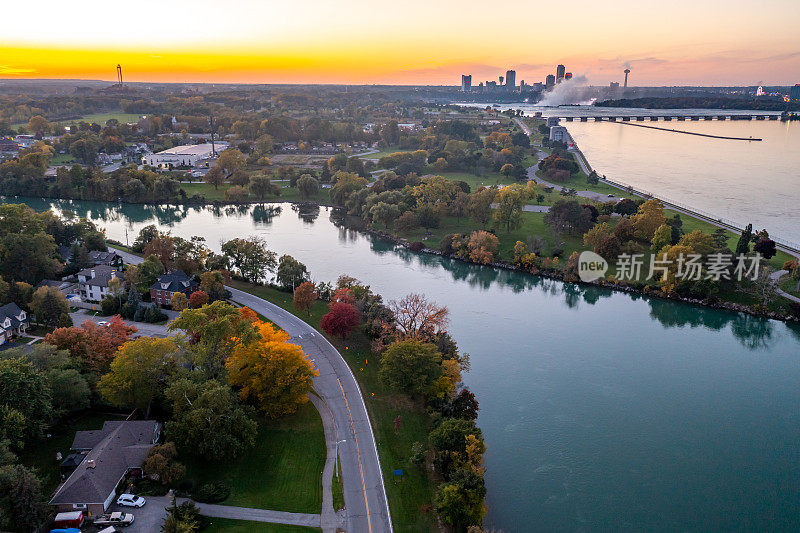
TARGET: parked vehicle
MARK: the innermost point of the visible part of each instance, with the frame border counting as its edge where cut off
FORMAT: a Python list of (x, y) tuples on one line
[(67, 530), (131, 500), (109, 529), (114, 519), (71, 519), (104, 323)]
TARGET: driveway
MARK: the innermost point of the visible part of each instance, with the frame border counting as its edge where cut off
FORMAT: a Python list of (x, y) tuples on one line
[(147, 519), (144, 329)]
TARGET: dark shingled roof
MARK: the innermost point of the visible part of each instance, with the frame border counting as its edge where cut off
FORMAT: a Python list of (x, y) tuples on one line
[(102, 258), (102, 275), (12, 311), (175, 281), (119, 446)]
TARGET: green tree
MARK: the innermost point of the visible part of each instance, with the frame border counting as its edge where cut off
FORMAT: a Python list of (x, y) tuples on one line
[(208, 421), (509, 207), (743, 244), (480, 205), (250, 257), (139, 372), (147, 273), (308, 186), (161, 462), (291, 272), (411, 366), (25, 390), (215, 176), (384, 213), (345, 184), (261, 186), (661, 238), (48, 304), (215, 329), (23, 506)]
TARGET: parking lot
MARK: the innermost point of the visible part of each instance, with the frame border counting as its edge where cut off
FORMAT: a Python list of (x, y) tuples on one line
[(147, 519)]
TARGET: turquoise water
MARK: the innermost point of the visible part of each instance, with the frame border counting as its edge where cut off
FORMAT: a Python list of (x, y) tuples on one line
[(601, 410)]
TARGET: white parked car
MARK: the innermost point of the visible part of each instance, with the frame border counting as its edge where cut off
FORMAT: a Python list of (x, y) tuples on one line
[(131, 500), (103, 323)]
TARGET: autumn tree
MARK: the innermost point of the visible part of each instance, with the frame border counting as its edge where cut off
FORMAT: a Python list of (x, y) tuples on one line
[(341, 318), (39, 126), (139, 372), (411, 366), (179, 302), (483, 246), (261, 186), (271, 371), (417, 318), (208, 421), (304, 296), (596, 234), (163, 248), (231, 160), (198, 299), (344, 185), (648, 219), (213, 284), (214, 330), (161, 462), (215, 176), (93, 346), (661, 238)]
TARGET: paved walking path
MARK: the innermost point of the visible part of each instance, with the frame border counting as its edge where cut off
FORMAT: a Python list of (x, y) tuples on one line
[(243, 513), (775, 277), (330, 521)]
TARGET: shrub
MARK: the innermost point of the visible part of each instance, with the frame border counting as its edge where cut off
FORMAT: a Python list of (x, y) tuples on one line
[(211, 492), (416, 246)]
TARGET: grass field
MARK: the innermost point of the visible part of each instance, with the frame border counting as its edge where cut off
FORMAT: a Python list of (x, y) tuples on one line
[(42, 455), (288, 194), (281, 472), (62, 159), (409, 499), (227, 525), (384, 152), (102, 118)]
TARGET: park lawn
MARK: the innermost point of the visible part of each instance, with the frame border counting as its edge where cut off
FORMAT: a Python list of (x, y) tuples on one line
[(383, 152), (486, 180), (410, 498), (337, 488), (789, 285), (229, 525), (578, 182), (62, 159), (41, 455), (288, 194), (281, 472), (102, 118)]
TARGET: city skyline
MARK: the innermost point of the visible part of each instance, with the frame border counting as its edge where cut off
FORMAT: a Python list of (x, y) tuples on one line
[(354, 43)]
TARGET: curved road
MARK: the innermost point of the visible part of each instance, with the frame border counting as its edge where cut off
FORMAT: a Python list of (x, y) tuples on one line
[(365, 499), (366, 504)]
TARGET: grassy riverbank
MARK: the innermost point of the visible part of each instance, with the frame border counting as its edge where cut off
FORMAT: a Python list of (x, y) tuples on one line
[(410, 499)]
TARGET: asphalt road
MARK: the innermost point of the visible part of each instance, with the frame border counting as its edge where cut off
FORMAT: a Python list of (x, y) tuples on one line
[(367, 508)]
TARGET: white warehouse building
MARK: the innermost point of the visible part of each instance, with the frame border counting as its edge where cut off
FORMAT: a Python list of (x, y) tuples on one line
[(184, 156)]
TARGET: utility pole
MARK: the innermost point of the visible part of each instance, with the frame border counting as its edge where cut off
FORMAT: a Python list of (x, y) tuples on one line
[(211, 120)]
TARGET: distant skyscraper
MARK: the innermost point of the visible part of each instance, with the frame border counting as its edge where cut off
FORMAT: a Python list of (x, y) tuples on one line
[(501, 80), (614, 85), (560, 73), (466, 82), (627, 71), (511, 78), (568, 76), (794, 92), (549, 81)]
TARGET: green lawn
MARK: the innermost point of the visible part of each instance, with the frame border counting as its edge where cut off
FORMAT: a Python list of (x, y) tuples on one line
[(384, 152), (62, 159), (486, 179), (411, 498), (789, 285), (337, 488), (281, 472), (42, 455), (102, 118), (288, 194), (227, 525)]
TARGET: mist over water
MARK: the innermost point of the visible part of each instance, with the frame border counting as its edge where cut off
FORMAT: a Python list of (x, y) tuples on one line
[(571, 91)]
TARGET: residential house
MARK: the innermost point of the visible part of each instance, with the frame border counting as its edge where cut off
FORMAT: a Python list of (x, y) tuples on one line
[(111, 258), (176, 281), (109, 455), (13, 322), (94, 281)]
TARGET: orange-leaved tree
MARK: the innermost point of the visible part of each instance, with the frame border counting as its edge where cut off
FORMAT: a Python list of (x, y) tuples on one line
[(271, 372), (304, 296), (92, 345)]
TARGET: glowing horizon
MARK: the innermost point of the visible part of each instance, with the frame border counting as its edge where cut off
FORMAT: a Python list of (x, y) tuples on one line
[(410, 42)]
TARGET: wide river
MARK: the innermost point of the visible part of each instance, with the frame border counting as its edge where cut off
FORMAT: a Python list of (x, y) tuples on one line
[(601, 410), (739, 181)]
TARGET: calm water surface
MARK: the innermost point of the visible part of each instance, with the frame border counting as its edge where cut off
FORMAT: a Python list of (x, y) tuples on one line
[(601, 410)]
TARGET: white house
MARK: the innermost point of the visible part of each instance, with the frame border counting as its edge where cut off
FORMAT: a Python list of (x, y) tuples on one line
[(13, 321), (94, 281)]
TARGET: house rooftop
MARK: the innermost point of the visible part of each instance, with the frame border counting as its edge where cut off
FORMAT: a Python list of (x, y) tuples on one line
[(174, 281), (102, 275)]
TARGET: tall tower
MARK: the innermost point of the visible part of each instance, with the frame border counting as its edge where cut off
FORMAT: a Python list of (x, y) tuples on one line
[(560, 70), (466, 82), (627, 71), (119, 75)]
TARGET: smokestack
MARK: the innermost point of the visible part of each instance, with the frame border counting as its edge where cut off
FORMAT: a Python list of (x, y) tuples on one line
[(627, 71)]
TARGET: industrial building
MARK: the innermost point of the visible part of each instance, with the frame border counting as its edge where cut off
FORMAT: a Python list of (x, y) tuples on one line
[(184, 156)]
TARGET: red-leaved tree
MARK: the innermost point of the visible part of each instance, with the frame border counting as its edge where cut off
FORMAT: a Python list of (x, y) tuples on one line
[(93, 346), (341, 319), (198, 299)]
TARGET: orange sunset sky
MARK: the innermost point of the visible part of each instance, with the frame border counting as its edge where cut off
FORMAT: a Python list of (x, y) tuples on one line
[(683, 42)]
